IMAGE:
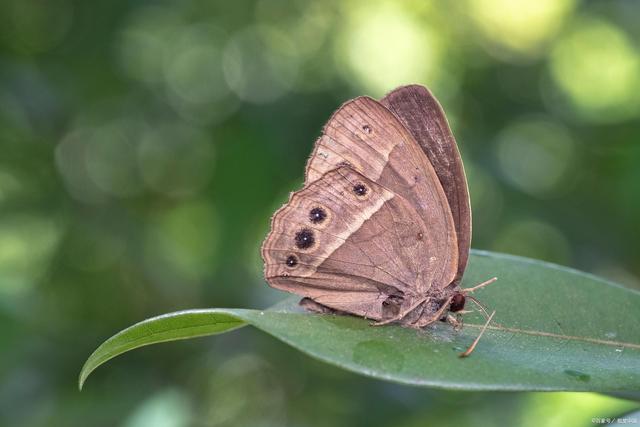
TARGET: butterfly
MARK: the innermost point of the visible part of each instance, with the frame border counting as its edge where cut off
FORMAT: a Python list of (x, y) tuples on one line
[(382, 227)]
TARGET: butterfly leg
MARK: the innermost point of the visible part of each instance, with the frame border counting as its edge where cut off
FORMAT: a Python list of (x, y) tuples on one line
[(455, 320), (468, 351), (401, 314), (425, 321)]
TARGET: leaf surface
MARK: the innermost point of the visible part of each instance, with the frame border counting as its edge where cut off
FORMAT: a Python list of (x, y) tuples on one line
[(555, 329)]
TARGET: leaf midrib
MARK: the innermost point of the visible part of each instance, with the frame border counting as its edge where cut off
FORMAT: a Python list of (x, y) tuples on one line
[(560, 336)]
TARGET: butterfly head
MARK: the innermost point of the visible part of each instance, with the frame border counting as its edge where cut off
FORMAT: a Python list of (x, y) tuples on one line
[(457, 302)]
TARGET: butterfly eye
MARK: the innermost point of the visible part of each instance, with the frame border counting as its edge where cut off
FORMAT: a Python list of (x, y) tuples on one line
[(457, 302), (360, 190), (304, 238), (317, 215), (292, 261)]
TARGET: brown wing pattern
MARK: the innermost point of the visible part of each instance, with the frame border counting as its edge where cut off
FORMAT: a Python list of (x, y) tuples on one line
[(369, 244), (423, 116), (372, 221), (366, 135)]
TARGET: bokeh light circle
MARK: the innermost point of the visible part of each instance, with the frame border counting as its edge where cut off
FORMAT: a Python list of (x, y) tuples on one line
[(259, 64), (176, 159), (518, 30), (110, 157), (597, 68), (384, 46), (536, 156)]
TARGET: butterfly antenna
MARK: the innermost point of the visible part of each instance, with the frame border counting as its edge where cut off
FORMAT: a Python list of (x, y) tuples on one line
[(479, 305), (481, 285), (475, 342)]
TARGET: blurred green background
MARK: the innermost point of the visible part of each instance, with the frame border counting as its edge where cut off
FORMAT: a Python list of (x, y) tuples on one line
[(144, 146)]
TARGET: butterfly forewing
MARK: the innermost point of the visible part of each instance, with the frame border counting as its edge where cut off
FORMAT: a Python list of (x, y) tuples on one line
[(367, 136), (423, 116)]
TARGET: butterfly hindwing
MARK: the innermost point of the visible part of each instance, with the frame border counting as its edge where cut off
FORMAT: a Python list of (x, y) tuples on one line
[(370, 244)]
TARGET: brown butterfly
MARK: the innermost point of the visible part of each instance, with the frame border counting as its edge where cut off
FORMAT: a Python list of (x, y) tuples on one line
[(382, 227)]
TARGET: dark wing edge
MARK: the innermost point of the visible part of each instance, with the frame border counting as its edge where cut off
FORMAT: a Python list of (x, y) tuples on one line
[(421, 113)]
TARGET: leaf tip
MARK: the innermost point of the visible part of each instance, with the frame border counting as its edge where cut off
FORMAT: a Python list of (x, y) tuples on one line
[(84, 374)]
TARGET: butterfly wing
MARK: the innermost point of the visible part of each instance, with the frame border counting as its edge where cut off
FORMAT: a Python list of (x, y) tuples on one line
[(349, 243), (367, 136), (422, 115)]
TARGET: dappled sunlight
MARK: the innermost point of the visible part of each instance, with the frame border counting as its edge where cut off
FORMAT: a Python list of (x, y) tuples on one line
[(571, 409), (94, 245), (229, 393), (110, 157), (180, 60), (533, 238), (145, 145), (32, 27), (175, 159), (305, 23), (165, 408), (194, 78), (27, 246), (180, 245), (384, 46), (598, 68), (193, 70), (145, 39), (69, 157), (10, 185), (259, 65), (537, 156), (517, 30), (487, 203)]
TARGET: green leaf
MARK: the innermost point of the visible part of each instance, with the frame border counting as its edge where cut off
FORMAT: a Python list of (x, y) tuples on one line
[(554, 329)]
